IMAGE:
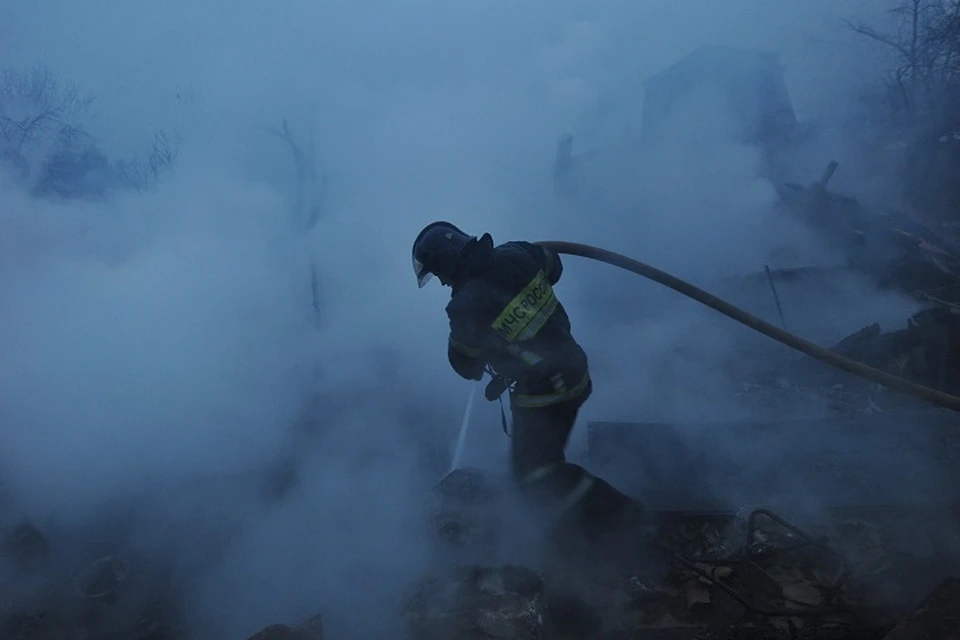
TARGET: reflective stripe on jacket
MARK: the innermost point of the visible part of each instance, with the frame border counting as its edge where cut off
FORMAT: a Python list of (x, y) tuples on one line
[(504, 312), (560, 393)]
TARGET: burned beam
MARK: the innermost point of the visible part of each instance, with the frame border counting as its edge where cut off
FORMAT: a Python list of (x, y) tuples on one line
[(839, 462), (937, 617)]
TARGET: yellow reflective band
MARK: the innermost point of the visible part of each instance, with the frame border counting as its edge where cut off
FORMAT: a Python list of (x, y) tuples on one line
[(529, 357), (528, 311), (559, 385), (537, 474), (537, 401), (465, 350), (470, 352), (577, 493)]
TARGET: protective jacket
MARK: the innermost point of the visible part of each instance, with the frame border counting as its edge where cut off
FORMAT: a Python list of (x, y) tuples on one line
[(503, 313)]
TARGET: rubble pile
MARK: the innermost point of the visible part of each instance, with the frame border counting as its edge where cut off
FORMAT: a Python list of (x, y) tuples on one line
[(108, 601), (753, 574), (108, 598), (480, 602), (936, 618), (776, 575), (156, 620), (926, 351), (898, 251), (895, 252), (311, 629), (747, 575), (461, 510)]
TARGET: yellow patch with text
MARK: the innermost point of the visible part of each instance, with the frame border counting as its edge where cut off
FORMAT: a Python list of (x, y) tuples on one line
[(529, 310)]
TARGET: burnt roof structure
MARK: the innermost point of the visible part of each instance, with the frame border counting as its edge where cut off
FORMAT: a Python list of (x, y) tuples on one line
[(740, 90)]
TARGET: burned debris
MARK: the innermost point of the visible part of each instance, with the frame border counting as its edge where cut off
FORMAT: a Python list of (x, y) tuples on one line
[(111, 597), (925, 351), (895, 250), (462, 506), (761, 572), (480, 602), (311, 629), (852, 570), (911, 263), (936, 618), (752, 574)]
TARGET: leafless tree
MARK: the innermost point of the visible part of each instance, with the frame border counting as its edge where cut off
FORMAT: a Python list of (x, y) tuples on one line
[(37, 111), (42, 138), (926, 45), (144, 173), (308, 200), (921, 102)]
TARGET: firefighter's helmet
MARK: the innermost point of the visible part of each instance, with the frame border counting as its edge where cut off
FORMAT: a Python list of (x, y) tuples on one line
[(437, 250)]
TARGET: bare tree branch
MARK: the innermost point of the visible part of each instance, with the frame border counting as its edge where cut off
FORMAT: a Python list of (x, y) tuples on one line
[(306, 209), (34, 108), (872, 34)]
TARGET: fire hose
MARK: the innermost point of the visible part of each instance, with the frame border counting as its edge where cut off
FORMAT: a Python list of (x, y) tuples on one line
[(888, 380)]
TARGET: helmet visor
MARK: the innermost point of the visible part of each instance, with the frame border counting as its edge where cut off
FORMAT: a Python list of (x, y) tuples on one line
[(423, 276)]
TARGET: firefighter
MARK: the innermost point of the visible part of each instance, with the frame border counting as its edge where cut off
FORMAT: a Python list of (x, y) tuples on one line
[(506, 320)]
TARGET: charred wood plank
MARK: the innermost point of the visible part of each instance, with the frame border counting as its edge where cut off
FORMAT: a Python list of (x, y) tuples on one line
[(937, 617)]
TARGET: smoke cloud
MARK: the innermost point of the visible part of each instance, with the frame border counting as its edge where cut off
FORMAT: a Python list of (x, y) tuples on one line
[(160, 351)]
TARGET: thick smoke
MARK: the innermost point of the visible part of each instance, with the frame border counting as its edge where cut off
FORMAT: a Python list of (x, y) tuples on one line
[(156, 344)]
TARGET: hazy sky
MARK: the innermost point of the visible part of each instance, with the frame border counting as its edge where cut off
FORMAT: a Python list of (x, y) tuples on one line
[(159, 337), (378, 57)]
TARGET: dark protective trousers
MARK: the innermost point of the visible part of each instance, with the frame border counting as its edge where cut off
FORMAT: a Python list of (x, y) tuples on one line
[(539, 466)]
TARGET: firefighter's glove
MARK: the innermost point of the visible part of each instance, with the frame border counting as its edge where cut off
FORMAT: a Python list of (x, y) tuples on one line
[(495, 388)]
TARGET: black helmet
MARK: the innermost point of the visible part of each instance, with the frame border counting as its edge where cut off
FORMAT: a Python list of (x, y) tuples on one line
[(437, 250)]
